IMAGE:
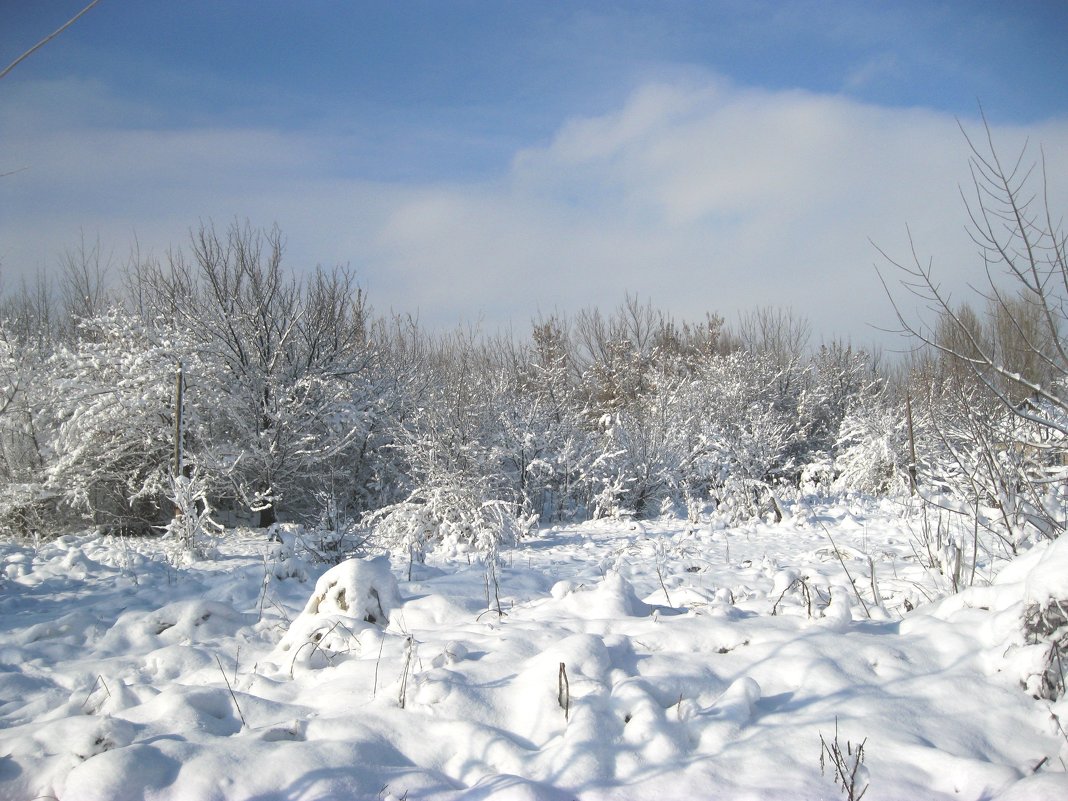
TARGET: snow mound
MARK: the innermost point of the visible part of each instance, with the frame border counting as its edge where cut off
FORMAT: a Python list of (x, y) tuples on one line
[(839, 613), (1021, 619), (612, 598), (355, 595), (1045, 619), (357, 588), (724, 720), (1047, 576)]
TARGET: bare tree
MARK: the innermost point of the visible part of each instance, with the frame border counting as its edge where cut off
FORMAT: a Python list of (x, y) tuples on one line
[(776, 331), (1023, 251), (1015, 354), (84, 283)]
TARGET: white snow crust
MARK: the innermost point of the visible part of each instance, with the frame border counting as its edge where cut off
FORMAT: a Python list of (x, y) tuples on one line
[(633, 661)]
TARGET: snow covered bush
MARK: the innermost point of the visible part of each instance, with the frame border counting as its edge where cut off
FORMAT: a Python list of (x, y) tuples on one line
[(648, 451), (112, 436), (454, 516), (872, 448), (1000, 472), (406, 529), (751, 416), (335, 536), (192, 531), (282, 560), (26, 511), (1026, 630), (357, 588), (1047, 624), (463, 495)]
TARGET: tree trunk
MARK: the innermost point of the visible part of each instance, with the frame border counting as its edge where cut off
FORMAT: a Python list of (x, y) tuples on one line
[(268, 517)]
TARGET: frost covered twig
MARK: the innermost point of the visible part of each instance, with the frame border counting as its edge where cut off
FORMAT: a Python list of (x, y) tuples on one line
[(378, 663), (47, 39), (663, 586)]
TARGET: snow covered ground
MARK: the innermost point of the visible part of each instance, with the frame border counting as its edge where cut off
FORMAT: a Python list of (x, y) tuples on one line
[(633, 661)]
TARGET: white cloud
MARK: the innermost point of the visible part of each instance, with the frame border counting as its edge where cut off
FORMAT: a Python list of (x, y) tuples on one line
[(699, 195), (710, 198), (883, 66)]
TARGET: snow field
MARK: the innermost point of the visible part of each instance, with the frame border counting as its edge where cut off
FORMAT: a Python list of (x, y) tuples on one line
[(119, 674)]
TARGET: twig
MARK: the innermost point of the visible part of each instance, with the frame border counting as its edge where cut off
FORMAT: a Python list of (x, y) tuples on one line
[(875, 594), (802, 583), (1057, 721), (775, 606), (244, 723), (265, 584), (846, 766), (100, 681), (848, 574), (663, 586), (827, 533), (407, 668), (378, 662), (314, 643), (563, 691)]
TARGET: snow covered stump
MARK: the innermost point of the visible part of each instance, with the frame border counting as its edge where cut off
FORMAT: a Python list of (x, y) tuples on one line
[(353, 596)]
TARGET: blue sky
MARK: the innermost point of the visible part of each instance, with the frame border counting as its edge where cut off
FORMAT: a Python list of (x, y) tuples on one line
[(490, 160)]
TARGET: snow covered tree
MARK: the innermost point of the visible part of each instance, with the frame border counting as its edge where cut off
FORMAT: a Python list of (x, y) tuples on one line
[(838, 377), (22, 495), (752, 424), (460, 495), (539, 434), (286, 406)]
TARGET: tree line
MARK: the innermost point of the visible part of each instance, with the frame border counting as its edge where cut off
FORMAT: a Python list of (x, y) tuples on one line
[(299, 403), (297, 398)]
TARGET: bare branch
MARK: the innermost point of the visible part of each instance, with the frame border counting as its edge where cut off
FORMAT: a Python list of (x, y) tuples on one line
[(46, 40)]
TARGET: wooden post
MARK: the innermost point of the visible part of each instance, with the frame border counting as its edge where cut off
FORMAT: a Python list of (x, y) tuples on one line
[(912, 443), (179, 422)]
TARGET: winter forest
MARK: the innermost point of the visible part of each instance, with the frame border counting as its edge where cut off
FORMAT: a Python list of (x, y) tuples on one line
[(189, 444)]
